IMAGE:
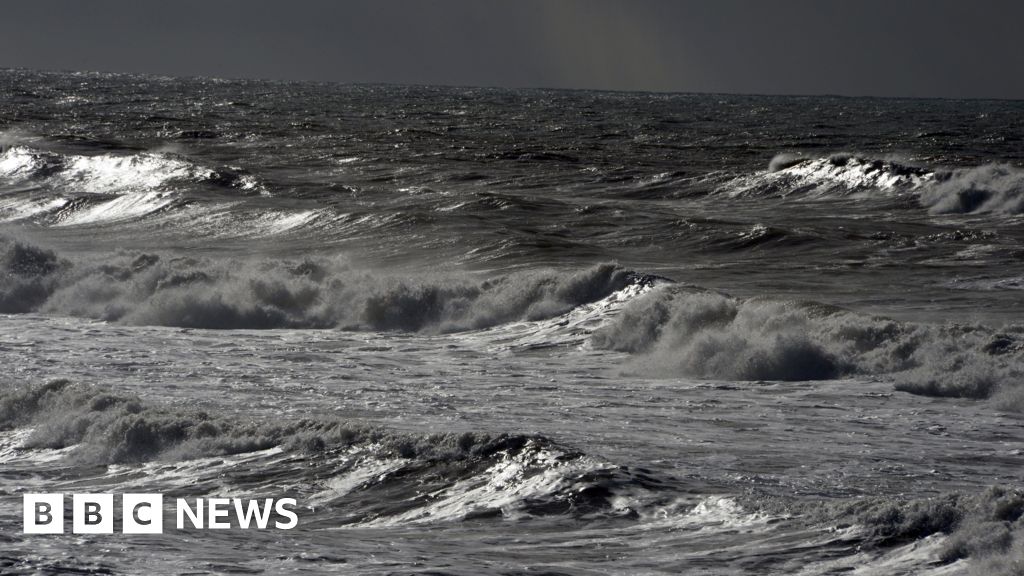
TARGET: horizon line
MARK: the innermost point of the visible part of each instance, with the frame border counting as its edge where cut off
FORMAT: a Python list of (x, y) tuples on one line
[(396, 84)]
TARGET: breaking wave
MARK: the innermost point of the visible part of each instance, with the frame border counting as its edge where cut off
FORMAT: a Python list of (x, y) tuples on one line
[(107, 427), (985, 527), (994, 188), (75, 189), (682, 333), (165, 290), (982, 526), (352, 473), (835, 175), (109, 173)]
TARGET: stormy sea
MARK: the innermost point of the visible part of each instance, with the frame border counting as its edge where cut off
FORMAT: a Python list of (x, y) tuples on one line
[(491, 331)]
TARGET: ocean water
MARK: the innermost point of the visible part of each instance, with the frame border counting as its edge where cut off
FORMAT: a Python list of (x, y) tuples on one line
[(513, 331)]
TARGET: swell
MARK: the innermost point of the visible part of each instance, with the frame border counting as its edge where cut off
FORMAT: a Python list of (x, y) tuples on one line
[(170, 290), (678, 332)]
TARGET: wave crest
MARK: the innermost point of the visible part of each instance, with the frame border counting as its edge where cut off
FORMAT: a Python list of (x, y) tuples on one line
[(986, 527), (832, 176), (104, 173), (158, 289), (355, 474), (707, 335), (994, 188)]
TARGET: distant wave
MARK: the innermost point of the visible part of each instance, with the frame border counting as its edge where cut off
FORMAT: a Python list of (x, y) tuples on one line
[(167, 290), (678, 332), (360, 474), (992, 188), (830, 176), (73, 189), (110, 173)]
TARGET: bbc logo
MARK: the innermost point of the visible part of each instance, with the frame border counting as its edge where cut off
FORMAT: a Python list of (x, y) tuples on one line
[(93, 513), (144, 513)]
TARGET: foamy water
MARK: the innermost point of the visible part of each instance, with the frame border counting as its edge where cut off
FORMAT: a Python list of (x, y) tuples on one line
[(490, 331)]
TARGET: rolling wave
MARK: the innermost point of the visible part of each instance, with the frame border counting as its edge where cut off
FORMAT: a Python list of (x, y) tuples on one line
[(832, 176), (353, 474), (994, 188), (155, 289), (73, 189), (109, 173), (672, 329), (985, 526), (988, 189), (678, 332)]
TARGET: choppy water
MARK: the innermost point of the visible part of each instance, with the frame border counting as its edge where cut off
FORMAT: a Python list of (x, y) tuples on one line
[(481, 330)]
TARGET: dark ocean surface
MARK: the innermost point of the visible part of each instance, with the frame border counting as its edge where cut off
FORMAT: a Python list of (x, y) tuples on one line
[(481, 330)]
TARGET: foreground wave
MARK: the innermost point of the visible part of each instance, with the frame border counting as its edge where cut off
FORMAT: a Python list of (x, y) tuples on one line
[(367, 474), (353, 475), (987, 527)]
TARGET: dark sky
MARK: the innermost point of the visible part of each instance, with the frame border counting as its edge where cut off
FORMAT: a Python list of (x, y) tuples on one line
[(951, 48)]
